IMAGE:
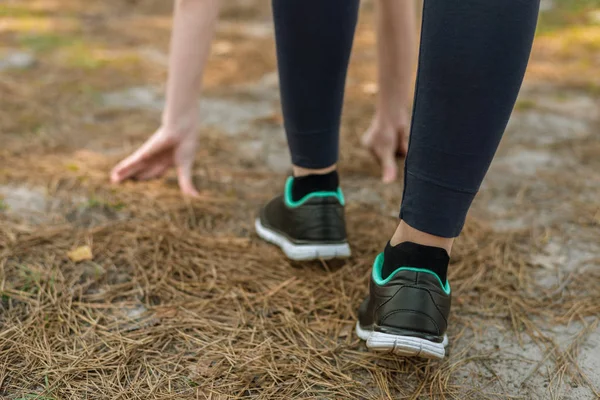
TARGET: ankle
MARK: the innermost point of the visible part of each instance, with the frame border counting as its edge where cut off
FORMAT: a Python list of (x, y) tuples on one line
[(406, 233), (413, 255), (300, 171), (304, 185)]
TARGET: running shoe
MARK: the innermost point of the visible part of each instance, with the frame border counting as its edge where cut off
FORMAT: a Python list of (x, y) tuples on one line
[(406, 313), (310, 228)]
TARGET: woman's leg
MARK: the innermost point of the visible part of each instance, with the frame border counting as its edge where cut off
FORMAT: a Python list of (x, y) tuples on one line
[(314, 40), (472, 61), (473, 57)]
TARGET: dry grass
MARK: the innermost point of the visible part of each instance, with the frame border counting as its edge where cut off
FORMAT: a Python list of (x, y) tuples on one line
[(170, 309), (181, 300)]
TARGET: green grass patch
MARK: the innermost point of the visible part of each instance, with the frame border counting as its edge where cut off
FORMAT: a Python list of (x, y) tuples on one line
[(3, 205), (14, 11), (43, 43), (72, 167), (592, 89), (80, 55), (75, 52), (95, 202), (30, 279)]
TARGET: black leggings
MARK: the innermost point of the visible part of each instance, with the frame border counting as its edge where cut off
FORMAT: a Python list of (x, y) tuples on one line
[(472, 60)]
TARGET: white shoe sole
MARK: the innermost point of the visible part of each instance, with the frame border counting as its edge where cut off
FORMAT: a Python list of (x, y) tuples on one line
[(406, 346), (301, 252)]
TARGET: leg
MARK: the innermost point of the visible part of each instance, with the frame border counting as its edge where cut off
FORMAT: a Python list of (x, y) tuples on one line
[(472, 61), (473, 58), (387, 137), (314, 40), (174, 143)]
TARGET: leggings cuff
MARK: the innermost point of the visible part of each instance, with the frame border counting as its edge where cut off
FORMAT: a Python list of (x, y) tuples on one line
[(315, 150), (434, 209)]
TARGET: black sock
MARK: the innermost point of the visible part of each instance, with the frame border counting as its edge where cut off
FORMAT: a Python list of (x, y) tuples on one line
[(304, 185), (409, 254)]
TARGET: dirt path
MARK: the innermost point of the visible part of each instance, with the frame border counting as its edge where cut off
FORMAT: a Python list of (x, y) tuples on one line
[(181, 300)]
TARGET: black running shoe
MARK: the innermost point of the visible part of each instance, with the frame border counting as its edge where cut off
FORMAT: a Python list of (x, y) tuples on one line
[(406, 313), (311, 228)]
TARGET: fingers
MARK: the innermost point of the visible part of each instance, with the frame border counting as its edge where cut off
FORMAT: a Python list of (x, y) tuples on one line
[(184, 177), (156, 144), (369, 135), (389, 168), (154, 170), (386, 157), (126, 169), (184, 159), (383, 144), (139, 160)]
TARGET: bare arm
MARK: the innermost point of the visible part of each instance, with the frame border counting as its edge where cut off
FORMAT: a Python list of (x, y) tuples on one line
[(193, 29), (174, 143), (396, 50)]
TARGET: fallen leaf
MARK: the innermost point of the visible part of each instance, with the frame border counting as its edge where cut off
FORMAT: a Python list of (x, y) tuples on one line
[(166, 312), (82, 253), (345, 331)]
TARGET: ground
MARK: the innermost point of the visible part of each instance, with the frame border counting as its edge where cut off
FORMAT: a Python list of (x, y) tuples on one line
[(179, 299)]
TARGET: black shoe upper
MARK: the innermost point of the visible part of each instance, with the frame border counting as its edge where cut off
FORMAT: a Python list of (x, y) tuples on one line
[(316, 220), (411, 303)]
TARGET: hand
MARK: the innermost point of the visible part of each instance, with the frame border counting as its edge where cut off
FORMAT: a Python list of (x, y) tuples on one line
[(160, 152), (387, 141)]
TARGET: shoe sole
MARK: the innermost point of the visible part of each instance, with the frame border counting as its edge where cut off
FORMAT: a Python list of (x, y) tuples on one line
[(302, 252), (406, 346)]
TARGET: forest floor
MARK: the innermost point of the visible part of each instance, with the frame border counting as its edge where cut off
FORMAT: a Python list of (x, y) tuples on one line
[(179, 298)]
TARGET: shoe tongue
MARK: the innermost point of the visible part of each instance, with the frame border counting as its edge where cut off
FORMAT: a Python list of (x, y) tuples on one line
[(413, 255)]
